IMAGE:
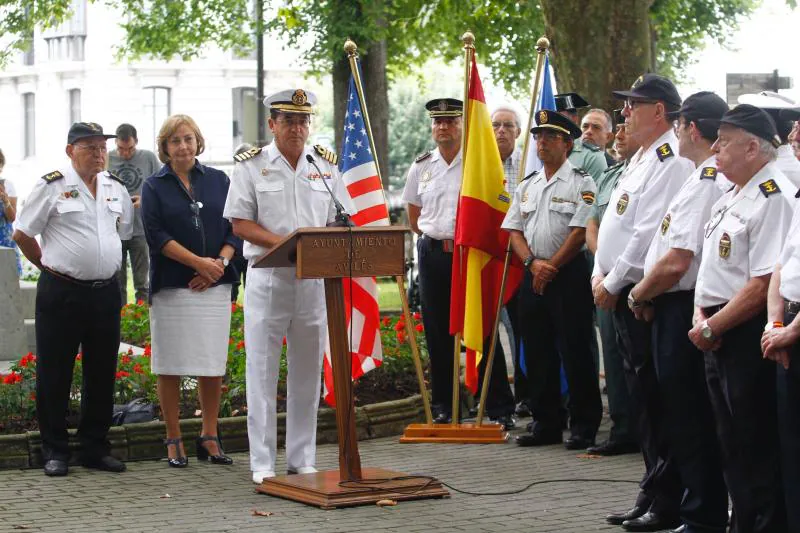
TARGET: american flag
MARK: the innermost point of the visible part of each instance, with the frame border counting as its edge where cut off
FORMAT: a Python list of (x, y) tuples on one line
[(360, 175)]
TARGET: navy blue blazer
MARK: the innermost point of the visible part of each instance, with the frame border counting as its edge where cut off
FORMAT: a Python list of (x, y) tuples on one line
[(167, 212)]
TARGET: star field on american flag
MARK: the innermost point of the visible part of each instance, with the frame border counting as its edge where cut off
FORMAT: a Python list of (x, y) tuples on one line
[(356, 150)]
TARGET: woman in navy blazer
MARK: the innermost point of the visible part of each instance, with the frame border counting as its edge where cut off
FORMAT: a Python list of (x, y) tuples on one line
[(191, 245)]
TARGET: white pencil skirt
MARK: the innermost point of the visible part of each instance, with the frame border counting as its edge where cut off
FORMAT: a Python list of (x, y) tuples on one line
[(190, 331)]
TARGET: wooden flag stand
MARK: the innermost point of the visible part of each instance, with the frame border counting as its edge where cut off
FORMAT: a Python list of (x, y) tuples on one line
[(334, 254)]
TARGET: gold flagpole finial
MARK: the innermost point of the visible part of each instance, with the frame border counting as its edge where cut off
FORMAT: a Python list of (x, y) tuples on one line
[(468, 39), (350, 47), (542, 44)]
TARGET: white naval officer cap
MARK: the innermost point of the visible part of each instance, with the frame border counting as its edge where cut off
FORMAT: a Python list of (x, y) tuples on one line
[(292, 101), (767, 100)]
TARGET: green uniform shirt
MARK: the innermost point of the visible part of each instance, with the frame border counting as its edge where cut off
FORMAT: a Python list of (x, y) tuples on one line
[(588, 157), (605, 186)]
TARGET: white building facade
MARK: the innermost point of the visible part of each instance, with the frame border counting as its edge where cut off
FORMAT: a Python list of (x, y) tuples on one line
[(71, 74)]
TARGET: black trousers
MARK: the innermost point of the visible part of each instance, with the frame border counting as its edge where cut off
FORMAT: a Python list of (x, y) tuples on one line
[(788, 389), (557, 329), (69, 318), (435, 275), (521, 391), (743, 395), (687, 416), (661, 487)]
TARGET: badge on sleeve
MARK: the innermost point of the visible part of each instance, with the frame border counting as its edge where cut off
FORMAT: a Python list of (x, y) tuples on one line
[(665, 224), (622, 204), (708, 173), (524, 197), (725, 246), (769, 187), (664, 152), (588, 197)]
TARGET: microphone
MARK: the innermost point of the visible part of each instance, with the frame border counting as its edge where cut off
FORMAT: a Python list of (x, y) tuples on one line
[(342, 217)]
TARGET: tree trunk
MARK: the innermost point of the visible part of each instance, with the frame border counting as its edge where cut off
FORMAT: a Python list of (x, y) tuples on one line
[(599, 46)]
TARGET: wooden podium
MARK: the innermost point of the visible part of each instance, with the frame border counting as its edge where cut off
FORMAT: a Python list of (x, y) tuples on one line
[(335, 254)]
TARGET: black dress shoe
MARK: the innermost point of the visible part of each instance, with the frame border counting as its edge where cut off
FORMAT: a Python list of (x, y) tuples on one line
[(522, 410), (618, 518), (612, 447), (650, 521), (576, 442), (539, 439), (442, 418), (105, 463), (55, 467)]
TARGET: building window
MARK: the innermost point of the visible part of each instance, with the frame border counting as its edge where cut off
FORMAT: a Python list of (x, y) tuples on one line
[(65, 42), (74, 106), (28, 56), (156, 111), (245, 116), (29, 124)]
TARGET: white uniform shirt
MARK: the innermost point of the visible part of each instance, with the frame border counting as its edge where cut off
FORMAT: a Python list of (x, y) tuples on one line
[(682, 225), (434, 185), (743, 238), (267, 190), (790, 259), (80, 234), (547, 210), (635, 210), (788, 164)]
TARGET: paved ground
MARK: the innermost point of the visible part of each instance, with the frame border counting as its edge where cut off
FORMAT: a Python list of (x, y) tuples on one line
[(216, 498)]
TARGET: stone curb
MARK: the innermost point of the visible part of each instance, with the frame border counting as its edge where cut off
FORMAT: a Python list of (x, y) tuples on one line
[(144, 441)]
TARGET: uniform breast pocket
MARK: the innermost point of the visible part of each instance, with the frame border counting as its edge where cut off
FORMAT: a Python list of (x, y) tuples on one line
[(563, 211), (429, 186), (269, 187), (731, 242), (70, 207)]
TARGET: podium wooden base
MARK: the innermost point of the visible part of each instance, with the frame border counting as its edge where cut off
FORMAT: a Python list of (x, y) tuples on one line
[(460, 434), (322, 489)]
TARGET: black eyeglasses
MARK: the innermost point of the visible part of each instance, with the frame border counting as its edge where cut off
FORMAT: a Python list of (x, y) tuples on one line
[(195, 208)]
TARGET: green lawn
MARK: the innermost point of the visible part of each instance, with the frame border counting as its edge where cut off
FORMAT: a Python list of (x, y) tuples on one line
[(388, 296)]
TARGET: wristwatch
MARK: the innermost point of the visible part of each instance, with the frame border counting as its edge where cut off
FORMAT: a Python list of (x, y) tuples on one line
[(634, 304), (528, 261), (225, 260), (705, 331)]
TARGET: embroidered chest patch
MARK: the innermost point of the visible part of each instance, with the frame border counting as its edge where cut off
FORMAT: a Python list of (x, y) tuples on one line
[(622, 204), (665, 224), (725, 246)]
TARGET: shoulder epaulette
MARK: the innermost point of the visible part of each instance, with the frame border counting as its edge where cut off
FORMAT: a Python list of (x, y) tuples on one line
[(769, 187), (249, 154), (114, 177), (581, 171), (591, 147), (529, 176), (53, 176), (613, 167), (328, 155), (708, 173), (422, 157), (664, 152)]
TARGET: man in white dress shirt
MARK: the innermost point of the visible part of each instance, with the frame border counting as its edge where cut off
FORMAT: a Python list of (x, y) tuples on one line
[(81, 213), (274, 191), (636, 208), (665, 297), (743, 240)]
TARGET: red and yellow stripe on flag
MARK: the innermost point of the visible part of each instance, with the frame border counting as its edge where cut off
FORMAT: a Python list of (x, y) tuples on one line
[(480, 243)]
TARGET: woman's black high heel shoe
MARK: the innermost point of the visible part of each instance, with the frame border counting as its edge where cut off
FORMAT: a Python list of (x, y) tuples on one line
[(203, 455), (179, 462)]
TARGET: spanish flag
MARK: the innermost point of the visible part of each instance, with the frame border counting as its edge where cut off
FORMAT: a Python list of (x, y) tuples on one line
[(480, 244)]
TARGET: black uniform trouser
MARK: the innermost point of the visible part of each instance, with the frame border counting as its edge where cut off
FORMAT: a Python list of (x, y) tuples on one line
[(789, 427), (521, 392), (743, 395), (69, 318), (619, 399), (687, 417), (661, 487), (557, 328), (435, 275)]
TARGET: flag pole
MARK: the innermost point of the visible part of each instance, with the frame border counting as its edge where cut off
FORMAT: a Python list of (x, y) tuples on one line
[(351, 49), (541, 50), (469, 49)]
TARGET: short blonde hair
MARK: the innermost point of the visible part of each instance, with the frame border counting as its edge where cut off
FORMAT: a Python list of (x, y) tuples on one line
[(169, 127)]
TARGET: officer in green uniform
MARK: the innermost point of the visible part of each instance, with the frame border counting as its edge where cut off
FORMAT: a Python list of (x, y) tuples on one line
[(622, 437), (587, 156)]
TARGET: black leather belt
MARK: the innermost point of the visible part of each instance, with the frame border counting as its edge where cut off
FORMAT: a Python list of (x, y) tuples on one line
[(89, 283), (713, 310), (791, 307), (445, 245)]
